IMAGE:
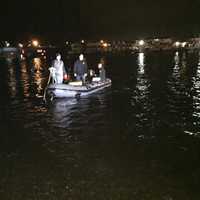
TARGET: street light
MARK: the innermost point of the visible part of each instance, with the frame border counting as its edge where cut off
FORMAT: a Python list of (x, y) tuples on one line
[(20, 45), (177, 44), (35, 43), (105, 45), (141, 42), (7, 44)]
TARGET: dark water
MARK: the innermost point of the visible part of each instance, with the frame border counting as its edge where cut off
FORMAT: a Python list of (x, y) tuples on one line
[(138, 140)]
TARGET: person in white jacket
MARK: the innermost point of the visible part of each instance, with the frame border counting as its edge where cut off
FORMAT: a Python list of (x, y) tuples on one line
[(59, 67)]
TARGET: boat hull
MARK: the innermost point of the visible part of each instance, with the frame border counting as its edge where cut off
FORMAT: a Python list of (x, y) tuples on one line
[(64, 90)]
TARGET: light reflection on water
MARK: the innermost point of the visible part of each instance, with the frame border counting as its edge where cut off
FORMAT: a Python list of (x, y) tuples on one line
[(141, 95), (141, 63), (12, 82), (196, 98), (30, 79), (26, 80)]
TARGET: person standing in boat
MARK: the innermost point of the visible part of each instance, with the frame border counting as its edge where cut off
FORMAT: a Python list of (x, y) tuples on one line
[(59, 67), (102, 71), (80, 68)]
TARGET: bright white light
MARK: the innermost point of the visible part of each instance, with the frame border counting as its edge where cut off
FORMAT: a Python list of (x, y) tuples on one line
[(100, 65), (101, 41), (35, 43), (177, 44), (105, 44), (141, 59), (141, 42), (7, 44), (67, 42), (81, 57), (184, 44), (20, 45), (82, 41), (157, 40)]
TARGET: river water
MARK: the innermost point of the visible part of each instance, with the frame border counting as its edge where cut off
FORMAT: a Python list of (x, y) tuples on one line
[(140, 139)]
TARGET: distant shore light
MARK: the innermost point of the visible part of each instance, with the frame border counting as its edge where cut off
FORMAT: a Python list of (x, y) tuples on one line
[(184, 44), (35, 43), (7, 44), (141, 42), (20, 45), (105, 44), (39, 51), (177, 44)]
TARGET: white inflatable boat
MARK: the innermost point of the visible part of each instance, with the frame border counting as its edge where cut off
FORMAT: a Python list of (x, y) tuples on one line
[(75, 90)]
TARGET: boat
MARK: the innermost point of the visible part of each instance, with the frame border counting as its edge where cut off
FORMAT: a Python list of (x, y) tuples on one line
[(76, 90)]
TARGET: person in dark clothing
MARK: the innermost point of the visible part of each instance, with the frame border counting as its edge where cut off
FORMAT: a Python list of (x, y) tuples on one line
[(80, 69)]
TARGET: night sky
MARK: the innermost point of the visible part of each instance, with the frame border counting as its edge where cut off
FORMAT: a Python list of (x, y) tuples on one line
[(49, 19), (127, 19)]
